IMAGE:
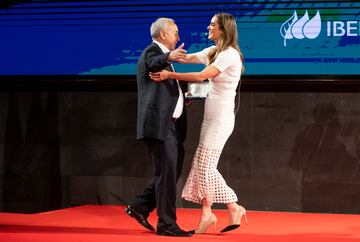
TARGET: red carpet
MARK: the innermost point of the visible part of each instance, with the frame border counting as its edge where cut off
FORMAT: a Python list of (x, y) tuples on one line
[(109, 224)]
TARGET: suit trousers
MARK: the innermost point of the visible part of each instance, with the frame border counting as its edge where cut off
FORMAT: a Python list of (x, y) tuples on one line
[(167, 156)]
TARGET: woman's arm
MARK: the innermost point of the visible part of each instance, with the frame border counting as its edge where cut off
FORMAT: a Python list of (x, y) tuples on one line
[(208, 72), (189, 58)]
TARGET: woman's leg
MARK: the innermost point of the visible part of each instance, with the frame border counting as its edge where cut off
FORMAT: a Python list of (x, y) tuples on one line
[(235, 214), (207, 218)]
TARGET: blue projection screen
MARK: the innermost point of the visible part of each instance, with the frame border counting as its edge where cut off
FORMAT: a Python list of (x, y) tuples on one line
[(277, 37)]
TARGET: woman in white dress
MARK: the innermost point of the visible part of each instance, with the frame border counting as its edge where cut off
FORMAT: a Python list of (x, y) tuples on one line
[(205, 185)]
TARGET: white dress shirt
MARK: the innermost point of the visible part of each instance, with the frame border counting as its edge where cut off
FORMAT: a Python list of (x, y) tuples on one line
[(180, 103)]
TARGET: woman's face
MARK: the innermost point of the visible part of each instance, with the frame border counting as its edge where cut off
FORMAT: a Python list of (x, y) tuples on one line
[(214, 30)]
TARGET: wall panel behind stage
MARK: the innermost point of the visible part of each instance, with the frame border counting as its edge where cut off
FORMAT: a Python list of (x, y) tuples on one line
[(289, 151)]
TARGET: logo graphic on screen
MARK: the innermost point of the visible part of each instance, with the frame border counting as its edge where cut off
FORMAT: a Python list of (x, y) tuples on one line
[(301, 28)]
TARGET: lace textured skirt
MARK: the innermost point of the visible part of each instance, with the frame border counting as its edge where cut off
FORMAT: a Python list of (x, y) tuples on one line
[(204, 180)]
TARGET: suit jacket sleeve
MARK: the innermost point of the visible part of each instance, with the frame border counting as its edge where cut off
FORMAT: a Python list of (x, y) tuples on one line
[(155, 60)]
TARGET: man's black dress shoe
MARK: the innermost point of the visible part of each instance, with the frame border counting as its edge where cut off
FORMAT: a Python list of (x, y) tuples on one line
[(139, 217), (174, 232)]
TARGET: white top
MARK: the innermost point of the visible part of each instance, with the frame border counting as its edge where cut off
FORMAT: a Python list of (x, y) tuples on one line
[(180, 102), (228, 62)]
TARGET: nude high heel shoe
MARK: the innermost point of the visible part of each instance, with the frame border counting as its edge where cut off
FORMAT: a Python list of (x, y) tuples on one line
[(235, 219), (204, 225)]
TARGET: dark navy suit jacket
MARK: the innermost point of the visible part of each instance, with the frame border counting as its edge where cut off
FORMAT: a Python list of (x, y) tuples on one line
[(156, 100)]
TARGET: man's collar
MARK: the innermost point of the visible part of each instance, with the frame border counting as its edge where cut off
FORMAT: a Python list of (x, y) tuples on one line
[(162, 46)]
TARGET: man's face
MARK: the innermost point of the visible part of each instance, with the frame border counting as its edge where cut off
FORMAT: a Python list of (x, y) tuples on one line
[(170, 36)]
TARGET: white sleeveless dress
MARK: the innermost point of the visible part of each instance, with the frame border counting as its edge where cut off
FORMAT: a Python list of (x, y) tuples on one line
[(204, 180)]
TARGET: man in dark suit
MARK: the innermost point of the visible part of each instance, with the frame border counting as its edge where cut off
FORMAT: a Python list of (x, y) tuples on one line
[(161, 125)]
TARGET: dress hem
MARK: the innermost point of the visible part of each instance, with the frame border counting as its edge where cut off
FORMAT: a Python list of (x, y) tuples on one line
[(198, 201)]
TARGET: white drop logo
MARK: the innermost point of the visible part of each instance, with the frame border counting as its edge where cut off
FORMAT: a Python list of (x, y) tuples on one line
[(312, 28), (301, 28), (297, 28)]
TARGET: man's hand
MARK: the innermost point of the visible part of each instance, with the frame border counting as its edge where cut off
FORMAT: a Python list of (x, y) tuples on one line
[(178, 55)]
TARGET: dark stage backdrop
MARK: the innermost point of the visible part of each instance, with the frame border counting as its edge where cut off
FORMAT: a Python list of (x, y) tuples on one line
[(290, 151)]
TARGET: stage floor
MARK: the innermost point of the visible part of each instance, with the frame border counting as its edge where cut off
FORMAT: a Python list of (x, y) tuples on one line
[(92, 223)]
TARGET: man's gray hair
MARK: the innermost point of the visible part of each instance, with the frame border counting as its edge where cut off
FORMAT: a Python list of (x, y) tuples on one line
[(158, 25)]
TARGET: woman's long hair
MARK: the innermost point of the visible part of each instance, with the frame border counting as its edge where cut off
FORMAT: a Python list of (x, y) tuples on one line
[(229, 36)]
